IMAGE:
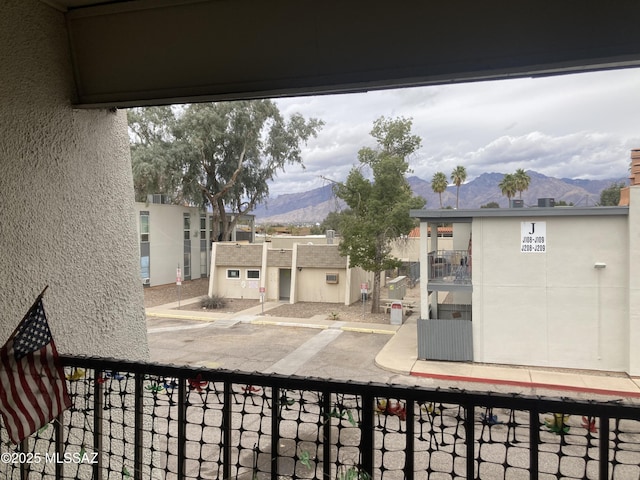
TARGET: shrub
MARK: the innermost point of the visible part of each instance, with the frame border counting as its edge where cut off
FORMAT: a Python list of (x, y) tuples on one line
[(213, 302)]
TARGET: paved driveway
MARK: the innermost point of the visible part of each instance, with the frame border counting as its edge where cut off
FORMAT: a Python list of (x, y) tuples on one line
[(329, 353)]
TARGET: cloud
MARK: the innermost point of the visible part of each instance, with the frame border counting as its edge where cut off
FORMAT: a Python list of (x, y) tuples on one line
[(576, 126)]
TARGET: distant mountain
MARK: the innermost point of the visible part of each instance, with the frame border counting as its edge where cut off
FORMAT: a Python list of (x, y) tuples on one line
[(313, 206), (305, 207)]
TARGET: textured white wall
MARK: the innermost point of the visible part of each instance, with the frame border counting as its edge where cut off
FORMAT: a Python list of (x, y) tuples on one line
[(552, 309), (66, 197)]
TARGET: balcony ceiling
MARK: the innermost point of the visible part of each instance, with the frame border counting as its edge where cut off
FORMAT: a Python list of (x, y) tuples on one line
[(144, 52)]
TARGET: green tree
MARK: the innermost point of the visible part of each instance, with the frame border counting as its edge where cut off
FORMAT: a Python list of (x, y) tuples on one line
[(508, 186), (333, 221), (153, 163), (439, 184), (610, 196), (521, 180), (458, 176), (379, 207), (491, 205), (221, 155)]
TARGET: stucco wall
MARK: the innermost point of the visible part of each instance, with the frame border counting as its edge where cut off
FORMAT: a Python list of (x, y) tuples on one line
[(356, 277), (312, 286), (634, 281), (552, 308), (66, 197), (242, 287)]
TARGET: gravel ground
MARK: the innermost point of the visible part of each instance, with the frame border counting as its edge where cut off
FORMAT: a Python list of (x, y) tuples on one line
[(162, 294)]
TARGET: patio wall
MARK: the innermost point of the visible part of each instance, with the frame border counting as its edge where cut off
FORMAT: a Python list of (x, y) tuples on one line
[(66, 197)]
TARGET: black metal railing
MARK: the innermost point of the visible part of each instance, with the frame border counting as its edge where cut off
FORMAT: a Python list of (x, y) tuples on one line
[(450, 266), (148, 421)]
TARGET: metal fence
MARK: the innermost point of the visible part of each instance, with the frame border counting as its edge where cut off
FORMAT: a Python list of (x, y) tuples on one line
[(450, 266), (147, 421)]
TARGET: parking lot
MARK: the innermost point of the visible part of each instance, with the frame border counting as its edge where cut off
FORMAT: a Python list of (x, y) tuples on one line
[(328, 353)]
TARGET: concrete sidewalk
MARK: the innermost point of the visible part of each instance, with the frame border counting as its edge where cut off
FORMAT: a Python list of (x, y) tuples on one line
[(399, 355)]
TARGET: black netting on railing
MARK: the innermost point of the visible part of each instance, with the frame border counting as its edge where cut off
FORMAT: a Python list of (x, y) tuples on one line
[(165, 423)]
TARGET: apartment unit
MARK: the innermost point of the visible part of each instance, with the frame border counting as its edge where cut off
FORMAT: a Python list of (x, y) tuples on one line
[(548, 286), (175, 240)]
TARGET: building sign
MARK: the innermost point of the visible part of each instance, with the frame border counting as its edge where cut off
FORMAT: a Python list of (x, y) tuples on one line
[(533, 237)]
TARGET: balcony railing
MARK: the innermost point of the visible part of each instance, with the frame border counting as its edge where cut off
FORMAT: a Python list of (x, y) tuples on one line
[(147, 421), (450, 266)]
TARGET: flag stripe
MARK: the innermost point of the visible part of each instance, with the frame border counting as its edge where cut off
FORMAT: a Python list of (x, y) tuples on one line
[(7, 405), (14, 402), (33, 390), (41, 404)]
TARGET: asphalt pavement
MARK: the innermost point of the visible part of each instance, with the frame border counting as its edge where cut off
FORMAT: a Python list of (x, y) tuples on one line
[(317, 347)]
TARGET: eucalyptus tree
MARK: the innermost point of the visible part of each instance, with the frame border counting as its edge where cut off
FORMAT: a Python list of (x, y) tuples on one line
[(458, 176), (379, 203), (218, 155), (439, 184), (522, 180), (508, 186)]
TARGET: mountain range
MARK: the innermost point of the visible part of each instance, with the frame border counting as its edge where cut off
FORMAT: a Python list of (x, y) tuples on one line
[(314, 205)]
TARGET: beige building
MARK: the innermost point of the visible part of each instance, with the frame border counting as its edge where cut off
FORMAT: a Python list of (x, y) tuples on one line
[(302, 273), (554, 287)]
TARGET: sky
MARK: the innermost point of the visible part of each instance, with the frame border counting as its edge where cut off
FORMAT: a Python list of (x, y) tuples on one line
[(574, 126)]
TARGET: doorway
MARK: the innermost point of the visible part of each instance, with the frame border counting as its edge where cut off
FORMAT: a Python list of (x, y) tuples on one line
[(284, 284)]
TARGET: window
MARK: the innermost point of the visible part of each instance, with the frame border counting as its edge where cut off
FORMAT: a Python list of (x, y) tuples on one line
[(235, 274), (187, 226), (144, 226), (253, 274), (203, 227), (331, 277)]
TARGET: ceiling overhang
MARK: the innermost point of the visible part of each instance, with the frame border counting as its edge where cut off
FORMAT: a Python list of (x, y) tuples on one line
[(172, 51)]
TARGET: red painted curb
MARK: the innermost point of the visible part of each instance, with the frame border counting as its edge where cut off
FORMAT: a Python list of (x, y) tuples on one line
[(515, 383)]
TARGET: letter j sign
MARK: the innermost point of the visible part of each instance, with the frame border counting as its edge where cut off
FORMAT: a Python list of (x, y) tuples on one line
[(533, 237)]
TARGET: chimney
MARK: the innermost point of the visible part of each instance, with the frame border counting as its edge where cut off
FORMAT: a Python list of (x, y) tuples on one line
[(635, 167), (634, 177)]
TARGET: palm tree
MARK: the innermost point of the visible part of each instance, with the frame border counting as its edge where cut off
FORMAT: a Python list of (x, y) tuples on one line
[(458, 176), (522, 180), (508, 186), (439, 184)]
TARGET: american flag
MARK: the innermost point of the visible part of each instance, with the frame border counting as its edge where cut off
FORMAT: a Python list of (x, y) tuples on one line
[(32, 385)]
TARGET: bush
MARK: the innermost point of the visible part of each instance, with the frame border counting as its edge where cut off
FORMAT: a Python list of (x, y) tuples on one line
[(213, 302)]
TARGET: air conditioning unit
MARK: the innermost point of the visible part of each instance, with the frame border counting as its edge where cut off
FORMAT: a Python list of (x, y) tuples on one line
[(331, 277), (546, 202), (146, 282)]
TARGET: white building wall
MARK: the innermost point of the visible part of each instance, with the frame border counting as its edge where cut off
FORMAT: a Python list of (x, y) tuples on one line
[(242, 287), (356, 277), (312, 285), (66, 197), (633, 332), (166, 239), (552, 308)]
